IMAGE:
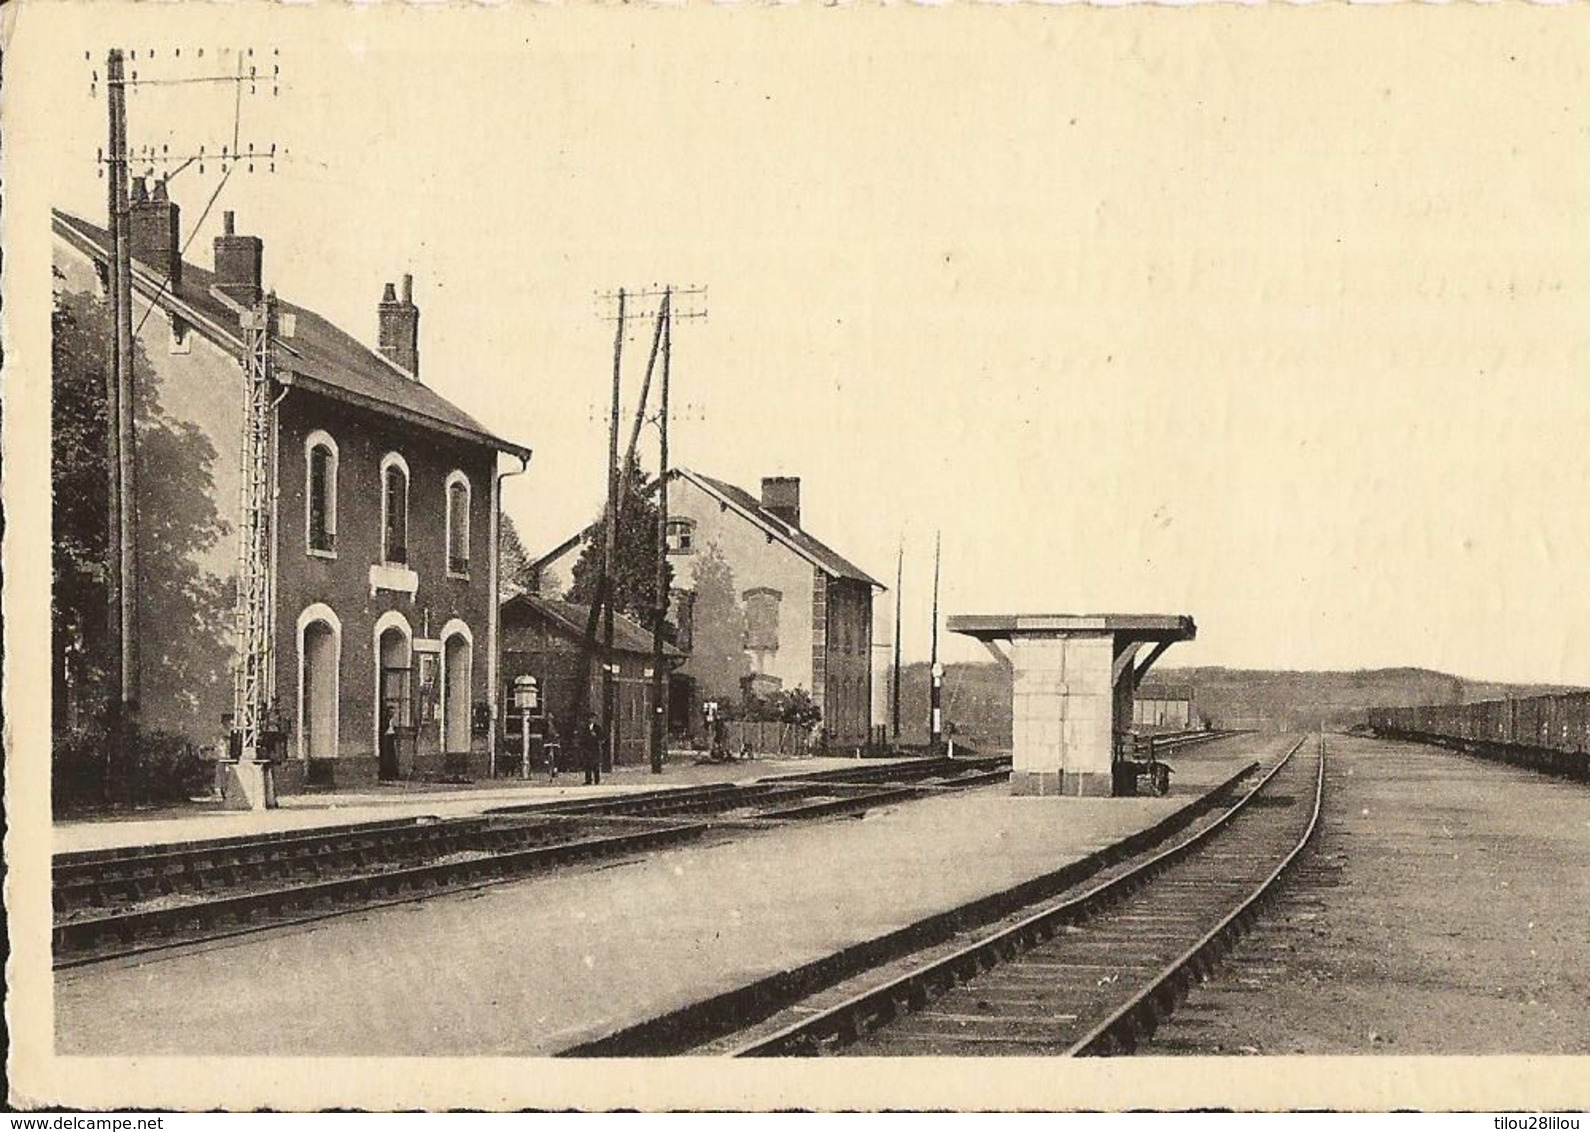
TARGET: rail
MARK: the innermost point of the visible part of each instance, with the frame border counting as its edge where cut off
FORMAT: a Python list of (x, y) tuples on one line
[(713, 1019), (1141, 1015), (115, 904), (848, 1021)]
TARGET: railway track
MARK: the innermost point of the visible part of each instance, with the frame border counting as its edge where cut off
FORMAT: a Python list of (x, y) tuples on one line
[(122, 903), (715, 1025), (1092, 974)]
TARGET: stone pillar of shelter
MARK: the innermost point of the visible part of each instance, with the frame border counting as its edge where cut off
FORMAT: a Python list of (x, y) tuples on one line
[(1073, 678)]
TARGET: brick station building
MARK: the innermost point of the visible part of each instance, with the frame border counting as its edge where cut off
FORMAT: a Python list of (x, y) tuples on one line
[(384, 619)]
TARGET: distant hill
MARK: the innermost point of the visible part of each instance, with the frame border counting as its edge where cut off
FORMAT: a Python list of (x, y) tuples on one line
[(977, 696)]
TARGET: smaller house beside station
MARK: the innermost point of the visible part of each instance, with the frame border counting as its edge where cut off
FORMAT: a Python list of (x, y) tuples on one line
[(542, 637), (796, 614)]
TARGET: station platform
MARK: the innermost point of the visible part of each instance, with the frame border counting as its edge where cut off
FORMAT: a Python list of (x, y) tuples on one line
[(539, 966), (178, 825)]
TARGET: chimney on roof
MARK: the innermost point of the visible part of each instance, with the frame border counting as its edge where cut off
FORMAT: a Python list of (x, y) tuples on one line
[(237, 263), (154, 229), (781, 497), (399, 339)]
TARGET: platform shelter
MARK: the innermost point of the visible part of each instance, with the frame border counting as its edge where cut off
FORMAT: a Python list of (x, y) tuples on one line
[(1073, 680)]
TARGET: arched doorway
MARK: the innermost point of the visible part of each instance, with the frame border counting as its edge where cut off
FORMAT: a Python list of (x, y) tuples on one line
[(457, 664), (320, 648), (394, 683), (319, 682)]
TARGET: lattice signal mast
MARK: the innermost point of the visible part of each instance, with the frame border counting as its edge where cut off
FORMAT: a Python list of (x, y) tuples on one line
[(251, 689)]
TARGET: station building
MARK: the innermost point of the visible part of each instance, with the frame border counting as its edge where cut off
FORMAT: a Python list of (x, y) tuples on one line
[(801, 613), (384, 618), (1164, 707), (545, 638)]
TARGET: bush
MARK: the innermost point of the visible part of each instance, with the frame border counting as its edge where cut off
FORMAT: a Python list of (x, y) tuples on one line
[(155, 767), (165, 767), (791, 706), (77, 769)]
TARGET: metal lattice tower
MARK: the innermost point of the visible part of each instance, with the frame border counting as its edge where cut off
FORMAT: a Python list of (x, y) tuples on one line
[(252, 685)]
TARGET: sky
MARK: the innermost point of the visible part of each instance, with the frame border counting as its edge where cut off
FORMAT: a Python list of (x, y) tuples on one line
[(1282, 326)]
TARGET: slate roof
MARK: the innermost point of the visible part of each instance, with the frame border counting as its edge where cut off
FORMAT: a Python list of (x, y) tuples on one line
[(628, 635), (318, 356), (816, 552)]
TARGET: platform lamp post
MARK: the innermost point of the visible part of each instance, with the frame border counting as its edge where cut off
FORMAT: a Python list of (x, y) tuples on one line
[(526, 699)]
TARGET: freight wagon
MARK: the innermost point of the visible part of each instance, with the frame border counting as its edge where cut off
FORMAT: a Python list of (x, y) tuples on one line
[(1549, 733)]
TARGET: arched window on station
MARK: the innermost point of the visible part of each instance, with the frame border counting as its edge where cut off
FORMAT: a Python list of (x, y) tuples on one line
[(458, 525), (320, 495), (394, 510)]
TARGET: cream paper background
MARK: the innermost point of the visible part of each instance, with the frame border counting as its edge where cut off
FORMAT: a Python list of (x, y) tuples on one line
[(1527, 177)]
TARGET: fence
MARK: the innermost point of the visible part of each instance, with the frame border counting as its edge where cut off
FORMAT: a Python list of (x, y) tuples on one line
[(767, 738)]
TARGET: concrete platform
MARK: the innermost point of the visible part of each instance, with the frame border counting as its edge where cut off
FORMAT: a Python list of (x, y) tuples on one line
[(536, 966), (316, 811)]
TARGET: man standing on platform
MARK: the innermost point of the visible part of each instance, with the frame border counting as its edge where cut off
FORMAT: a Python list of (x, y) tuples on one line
[(591, 738)]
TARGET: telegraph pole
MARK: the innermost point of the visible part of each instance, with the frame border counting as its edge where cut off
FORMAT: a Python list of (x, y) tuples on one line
[(126, 439), (122, 518), (935, 710), (610, 542), (115, 612), (894, 691), (659, 679), (603, 605)]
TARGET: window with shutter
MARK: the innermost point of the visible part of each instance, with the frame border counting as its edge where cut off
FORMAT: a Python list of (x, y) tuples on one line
[(681, 536), (761, 619)]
